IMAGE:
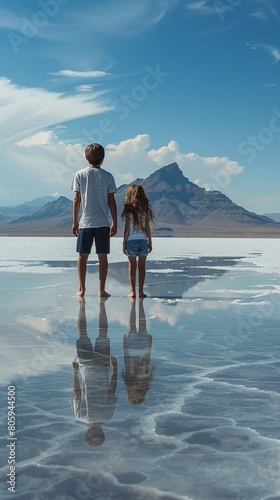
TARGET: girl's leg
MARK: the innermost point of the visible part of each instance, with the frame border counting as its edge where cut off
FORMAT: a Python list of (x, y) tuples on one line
[(132, 318), (142, 274), (132, 275)]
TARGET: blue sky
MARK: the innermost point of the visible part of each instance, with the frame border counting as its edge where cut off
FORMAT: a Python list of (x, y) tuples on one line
[(154, 81)]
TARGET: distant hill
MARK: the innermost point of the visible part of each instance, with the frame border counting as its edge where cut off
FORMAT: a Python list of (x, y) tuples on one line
[(273, 216), (53, 216), (26, 208), (180, 207)]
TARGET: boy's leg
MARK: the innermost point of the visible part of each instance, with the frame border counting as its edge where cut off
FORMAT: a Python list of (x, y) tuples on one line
[(142, 274), (82, 269), (84, 244), (103, 321), (132, 264), (82, 321), (102, 244), (103, 270)]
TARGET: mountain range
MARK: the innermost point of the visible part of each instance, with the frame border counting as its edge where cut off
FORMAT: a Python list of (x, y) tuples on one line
[(180, 206), (274, 216)]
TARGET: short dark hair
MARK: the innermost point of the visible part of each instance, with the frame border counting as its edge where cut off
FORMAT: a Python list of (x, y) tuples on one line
[(95, 436), (94, 154)]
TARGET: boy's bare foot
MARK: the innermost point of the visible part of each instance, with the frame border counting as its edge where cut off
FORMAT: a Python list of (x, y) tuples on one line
[(104, 294), (142, 295), (80, 293), (132, 295)]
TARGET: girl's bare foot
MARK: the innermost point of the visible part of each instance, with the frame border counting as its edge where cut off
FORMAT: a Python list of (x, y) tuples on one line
[(80, 293), (142, 295), (104, 294), (132, 295)]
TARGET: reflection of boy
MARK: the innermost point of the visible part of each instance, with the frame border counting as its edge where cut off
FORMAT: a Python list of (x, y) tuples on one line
[(137, 346), (94, 403)]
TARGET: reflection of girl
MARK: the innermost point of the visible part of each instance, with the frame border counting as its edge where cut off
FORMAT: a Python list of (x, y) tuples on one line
[(137, 240), (137, 346)]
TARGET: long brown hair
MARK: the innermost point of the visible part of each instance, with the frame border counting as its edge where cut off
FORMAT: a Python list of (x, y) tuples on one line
[(137, 204)]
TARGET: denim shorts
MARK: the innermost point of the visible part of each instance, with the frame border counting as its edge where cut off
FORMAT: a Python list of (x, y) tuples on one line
[(101, 236), (137, 248)]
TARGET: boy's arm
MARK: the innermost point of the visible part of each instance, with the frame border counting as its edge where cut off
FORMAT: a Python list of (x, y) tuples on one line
[(113, 210), (76, 210), (148, 234), (125, 234), (77, 388)]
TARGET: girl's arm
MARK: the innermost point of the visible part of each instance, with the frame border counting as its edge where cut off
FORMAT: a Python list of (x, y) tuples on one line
[(148, 234), (125, 234)]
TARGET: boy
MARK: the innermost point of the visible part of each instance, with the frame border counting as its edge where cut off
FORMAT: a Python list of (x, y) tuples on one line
[(95, 399), (94, 193)]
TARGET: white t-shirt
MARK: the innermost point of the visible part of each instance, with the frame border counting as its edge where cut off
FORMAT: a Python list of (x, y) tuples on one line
[(94, 184), (96, 403)]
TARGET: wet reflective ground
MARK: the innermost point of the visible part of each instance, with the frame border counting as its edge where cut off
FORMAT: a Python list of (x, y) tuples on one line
[(174, 396)]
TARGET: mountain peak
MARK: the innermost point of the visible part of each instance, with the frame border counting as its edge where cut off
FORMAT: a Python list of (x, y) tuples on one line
[(170, 175), (171, 168)]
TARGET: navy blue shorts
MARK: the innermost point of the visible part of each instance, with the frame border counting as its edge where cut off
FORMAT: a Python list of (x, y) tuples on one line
[(100, 354), (137, 248), (101, 236)]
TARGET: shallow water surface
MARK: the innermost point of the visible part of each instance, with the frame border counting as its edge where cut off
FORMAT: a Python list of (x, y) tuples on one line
[(183, 386)]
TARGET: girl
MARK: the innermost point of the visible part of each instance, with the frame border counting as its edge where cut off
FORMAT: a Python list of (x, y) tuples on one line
[(137, 347), (137, 241)]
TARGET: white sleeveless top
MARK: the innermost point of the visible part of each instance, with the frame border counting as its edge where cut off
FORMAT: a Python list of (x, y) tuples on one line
[(135, 234)]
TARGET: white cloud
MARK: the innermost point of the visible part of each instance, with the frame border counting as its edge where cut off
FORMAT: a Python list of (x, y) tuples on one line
[(199, 5), (80, 74), (26, 110), (273, 51), (47, 162), (259, 14), (85, 88), (133, 156), (203, 7), (113, 19), (214, 172), (37, 161), (128, 177), (129, 159), (165, 154), (265, 11), (55, 195), (131, 146), (43, 137), (122, 18), (9, 20)]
